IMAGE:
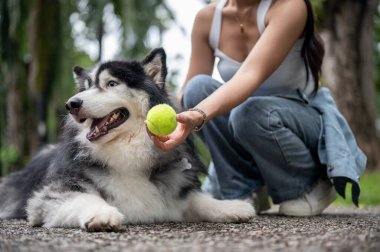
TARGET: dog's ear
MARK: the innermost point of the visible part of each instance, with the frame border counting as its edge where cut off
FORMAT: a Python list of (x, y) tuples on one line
[(81, 78), (155, 66)]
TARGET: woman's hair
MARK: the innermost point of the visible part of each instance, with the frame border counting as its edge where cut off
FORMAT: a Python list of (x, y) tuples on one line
[(312, 49)]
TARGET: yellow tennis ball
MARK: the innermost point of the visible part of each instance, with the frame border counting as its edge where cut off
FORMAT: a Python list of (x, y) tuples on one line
[(161, 120)]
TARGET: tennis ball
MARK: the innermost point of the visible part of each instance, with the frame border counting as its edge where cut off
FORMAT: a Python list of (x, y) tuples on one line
[(161, 120)]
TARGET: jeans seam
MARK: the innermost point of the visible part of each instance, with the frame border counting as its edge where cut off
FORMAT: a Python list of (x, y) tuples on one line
[(279, 146), (273, 133)]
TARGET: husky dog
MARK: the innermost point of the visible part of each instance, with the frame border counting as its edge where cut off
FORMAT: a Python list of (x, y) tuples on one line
[(106, 171)]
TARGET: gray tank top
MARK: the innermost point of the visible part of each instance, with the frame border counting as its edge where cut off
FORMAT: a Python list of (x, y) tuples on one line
[(290, 75)]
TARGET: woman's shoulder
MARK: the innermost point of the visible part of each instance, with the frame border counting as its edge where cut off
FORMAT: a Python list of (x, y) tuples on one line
[(292, 3), (288, 6), (206, 14), (283, 9)]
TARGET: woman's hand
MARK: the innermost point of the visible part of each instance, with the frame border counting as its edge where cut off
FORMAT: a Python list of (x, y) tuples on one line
[(186, 122)]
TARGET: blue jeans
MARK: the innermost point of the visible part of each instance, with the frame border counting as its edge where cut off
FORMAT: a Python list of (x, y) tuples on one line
[(271, 140)]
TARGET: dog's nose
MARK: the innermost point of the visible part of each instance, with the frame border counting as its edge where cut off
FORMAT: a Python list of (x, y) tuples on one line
[(73, 105)]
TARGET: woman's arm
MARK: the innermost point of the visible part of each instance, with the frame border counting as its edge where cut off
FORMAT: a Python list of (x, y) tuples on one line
[(201, 58), (285, 26), (286, 22)]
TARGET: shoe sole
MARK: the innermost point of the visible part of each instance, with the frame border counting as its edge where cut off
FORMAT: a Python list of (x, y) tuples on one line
[(325, 201)]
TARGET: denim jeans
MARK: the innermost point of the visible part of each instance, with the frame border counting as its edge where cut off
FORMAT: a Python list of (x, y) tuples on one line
[(271, 140)]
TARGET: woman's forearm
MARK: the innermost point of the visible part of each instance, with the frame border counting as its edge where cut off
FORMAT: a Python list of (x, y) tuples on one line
[(230, 95)]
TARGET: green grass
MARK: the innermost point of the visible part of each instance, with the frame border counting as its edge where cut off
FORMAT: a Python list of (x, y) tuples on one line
[(369, 191)]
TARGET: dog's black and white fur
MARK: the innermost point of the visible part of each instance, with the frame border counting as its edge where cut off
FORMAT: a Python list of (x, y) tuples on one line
[(106, 171)]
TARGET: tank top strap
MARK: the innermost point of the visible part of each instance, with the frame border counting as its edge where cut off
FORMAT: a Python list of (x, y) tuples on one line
[(261, 13), (216, 25)]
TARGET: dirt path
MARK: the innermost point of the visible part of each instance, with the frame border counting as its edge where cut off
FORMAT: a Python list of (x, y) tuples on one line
[(338, 229)]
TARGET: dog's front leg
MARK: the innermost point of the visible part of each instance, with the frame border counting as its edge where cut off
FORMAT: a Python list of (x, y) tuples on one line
[(202, 207), (73, 209)]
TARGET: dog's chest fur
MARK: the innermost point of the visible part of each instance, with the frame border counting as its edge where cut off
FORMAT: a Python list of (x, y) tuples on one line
[(128, 185), (141, 201)]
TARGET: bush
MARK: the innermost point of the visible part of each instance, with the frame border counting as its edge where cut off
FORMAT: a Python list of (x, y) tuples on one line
[(9, 157)]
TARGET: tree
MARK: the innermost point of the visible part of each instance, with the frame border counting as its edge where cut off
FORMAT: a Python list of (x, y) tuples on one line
[(377, 61), (140, 20), (14, 94), (45, 38), (348, 69)]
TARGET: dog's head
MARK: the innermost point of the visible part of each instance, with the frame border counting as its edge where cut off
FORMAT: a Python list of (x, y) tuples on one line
[(117, 93)]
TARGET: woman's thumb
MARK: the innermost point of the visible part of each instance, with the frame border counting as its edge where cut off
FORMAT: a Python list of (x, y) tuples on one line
[(184, 118)]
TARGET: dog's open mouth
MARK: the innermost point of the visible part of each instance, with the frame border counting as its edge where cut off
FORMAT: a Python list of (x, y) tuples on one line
[(101, 126)]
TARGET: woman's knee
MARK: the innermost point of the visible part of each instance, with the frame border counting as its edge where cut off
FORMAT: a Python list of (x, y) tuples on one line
[(253, 117), (198, 88)]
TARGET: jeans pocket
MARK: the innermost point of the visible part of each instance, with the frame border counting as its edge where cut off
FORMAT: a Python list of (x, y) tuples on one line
[(296, 155)]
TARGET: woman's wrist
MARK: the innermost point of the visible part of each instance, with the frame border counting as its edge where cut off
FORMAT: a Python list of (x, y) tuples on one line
[(204, 118)]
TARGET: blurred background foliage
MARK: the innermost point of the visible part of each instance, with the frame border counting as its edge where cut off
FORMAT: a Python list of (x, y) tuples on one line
[(41, 40), (377, 62)]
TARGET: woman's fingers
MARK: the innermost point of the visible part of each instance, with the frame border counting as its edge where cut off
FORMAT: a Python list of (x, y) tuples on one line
[(164, 144), (177, 137), (184, 118)]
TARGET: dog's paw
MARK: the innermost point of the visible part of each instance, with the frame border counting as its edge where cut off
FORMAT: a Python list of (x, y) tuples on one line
[(104, 219), (235, 211)]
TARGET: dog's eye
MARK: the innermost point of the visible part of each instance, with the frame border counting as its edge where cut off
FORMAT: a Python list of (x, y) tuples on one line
[(112, 84)]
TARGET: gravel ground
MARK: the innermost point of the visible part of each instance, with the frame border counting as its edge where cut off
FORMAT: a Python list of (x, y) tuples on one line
[(338, 229)]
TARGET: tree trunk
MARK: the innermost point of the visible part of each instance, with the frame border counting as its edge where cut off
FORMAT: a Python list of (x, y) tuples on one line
[(99, 38), (13, 72), (16, 106), (44, 43), (348, 68)]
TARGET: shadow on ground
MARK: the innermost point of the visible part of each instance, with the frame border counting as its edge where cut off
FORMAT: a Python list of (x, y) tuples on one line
[(338, 229)]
